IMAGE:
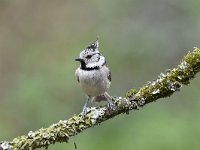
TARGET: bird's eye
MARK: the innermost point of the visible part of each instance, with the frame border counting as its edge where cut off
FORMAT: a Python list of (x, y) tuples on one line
[(88, 56)]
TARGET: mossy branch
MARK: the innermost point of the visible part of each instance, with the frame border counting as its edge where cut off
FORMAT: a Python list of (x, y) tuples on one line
[(166, 84)]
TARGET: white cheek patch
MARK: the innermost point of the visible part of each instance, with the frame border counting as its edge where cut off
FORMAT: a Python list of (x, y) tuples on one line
[(99, 63), (91, 65)]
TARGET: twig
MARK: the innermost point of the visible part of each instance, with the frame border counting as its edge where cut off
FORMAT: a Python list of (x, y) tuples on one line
[(166, 84)]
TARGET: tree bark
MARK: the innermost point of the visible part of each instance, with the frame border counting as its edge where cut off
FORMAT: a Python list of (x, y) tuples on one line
[(166, 84)]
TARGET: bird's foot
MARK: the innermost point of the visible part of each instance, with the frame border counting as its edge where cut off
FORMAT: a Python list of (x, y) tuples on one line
[(110, 105), (84, 113)]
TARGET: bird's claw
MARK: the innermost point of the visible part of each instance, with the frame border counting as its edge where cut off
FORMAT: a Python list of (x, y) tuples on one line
[(84, 113), (110, 105)]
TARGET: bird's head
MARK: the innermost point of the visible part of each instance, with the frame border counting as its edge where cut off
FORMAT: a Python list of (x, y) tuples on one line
[(90, 57)]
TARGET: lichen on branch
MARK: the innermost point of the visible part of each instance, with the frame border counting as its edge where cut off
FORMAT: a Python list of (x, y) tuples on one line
[(166, 84)]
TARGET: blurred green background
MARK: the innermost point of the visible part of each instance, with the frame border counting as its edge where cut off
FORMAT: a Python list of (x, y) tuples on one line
[(140, 38)]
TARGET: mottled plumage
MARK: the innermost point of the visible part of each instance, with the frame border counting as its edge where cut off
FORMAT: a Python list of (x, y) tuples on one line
[(93, 75)]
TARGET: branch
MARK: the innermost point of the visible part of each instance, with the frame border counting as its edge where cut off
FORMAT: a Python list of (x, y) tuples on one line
[(164, 86)]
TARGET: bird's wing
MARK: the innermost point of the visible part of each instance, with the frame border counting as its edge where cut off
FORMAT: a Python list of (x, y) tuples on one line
[(108, 71), (109, 76)]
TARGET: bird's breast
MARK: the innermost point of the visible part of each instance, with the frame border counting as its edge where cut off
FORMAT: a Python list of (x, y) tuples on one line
[(93, 82)]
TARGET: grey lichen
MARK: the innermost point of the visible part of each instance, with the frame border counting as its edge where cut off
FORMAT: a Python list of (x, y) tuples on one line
[(5, 146), (166, 84), (172, 80), (96, 114)]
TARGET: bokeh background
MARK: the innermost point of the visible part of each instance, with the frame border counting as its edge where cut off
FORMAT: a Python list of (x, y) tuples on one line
[(140, 39)]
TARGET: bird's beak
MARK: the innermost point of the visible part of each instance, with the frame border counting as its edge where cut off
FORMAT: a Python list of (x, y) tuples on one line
[(78, 59)]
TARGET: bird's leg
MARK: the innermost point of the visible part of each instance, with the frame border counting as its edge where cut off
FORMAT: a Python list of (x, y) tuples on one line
[(84, 112), (109, 101)]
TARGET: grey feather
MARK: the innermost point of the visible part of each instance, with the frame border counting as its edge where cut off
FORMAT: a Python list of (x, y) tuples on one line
[(93, 75), (109, 76)]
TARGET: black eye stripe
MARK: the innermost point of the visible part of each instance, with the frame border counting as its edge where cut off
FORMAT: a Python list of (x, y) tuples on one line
[(88, 56)]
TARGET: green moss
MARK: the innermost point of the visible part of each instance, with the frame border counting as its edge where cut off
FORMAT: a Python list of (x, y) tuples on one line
[(131, 93), (164, 86), (170, 82)]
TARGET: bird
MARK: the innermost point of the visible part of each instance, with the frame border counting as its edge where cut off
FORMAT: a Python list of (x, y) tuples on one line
[(93, 76)]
